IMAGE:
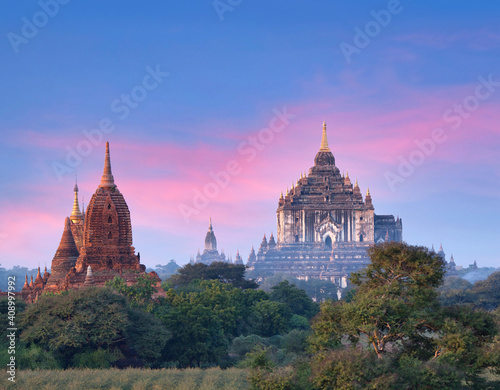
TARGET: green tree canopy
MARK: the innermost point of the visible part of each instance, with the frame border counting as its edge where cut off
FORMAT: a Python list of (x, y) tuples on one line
[(296, 299), (487, 292), (89, 319), (224, 272), (395, 311)]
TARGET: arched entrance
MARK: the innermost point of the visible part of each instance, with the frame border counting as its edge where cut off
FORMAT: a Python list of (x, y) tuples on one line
[(328, 243)]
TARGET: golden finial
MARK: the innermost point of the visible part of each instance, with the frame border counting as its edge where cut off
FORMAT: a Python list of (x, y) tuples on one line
[(281, 196), (75, 213), (324, 142), (287, 191), (368, 191), (347, 174), (356, 185)]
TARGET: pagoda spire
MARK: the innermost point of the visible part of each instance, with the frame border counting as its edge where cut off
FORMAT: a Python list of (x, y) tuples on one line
[(324, 141), (26, 284), (107, 179), (76, 214)]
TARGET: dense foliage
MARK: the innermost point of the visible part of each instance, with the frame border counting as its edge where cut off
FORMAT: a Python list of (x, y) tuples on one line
[(233, 274), (403, 325), (395, 312)]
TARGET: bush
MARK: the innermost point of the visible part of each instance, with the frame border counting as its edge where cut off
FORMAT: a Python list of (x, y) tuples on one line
[(245, 344), (36, 357), (99, 359), (279, 379), (351, 369), (295, 341), (299, 322)]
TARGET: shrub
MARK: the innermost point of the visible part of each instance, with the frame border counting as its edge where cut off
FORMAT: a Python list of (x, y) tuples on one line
[(100, 358), (36, 357)]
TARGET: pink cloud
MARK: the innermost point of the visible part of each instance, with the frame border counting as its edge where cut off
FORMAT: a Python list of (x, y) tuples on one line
[(157, 177)]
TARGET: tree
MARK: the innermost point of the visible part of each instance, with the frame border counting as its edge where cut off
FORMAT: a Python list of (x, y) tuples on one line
[(197, 334), (318, 290), (488, 292), (396, 312), (224, 272), (395, 295), (295, 298), (89, 319), (455, 291), (139, 294), (271, 318)]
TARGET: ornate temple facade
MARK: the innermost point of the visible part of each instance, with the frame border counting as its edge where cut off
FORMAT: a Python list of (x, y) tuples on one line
[(324, 226), (95, 246)]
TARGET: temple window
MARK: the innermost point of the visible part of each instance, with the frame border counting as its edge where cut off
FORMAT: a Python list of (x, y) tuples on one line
[(110, 235), (110, 220)]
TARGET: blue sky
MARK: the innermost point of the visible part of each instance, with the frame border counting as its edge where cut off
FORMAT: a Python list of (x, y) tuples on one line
[(227, 75)]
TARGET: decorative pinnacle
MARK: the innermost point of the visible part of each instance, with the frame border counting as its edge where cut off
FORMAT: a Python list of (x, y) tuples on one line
[(210, 224), (324, 142), (356, 185), (107, 179), (347, 175), (368, 191), (67, 224), (76, 207)]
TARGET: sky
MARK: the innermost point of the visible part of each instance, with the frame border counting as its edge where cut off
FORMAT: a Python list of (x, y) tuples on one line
[(212, 108)]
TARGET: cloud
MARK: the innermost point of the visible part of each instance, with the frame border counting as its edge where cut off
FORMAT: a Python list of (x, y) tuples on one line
[(482, 39), (156, 176)]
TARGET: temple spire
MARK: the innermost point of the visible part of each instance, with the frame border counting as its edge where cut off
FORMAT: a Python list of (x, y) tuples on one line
[(324, 141), (76, 214), (107, 179)]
